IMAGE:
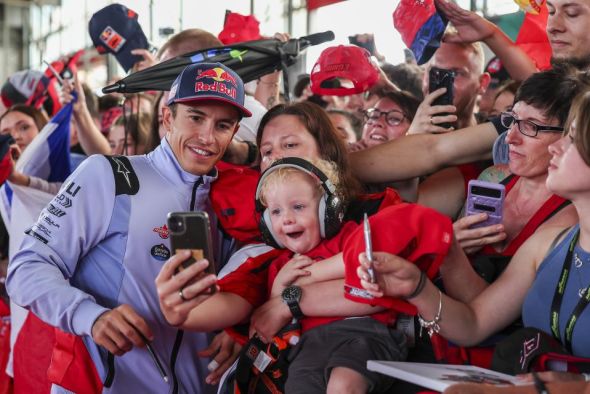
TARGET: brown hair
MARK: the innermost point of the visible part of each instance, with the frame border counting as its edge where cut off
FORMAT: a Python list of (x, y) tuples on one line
[(38, 117), (580, 113), (189, 40), (406, 101), (138, 127), (331, 146)]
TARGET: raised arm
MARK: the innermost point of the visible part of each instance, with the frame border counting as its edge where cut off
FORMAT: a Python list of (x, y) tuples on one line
[(90, 137), (470, 323), (472, 27), (417, 155)]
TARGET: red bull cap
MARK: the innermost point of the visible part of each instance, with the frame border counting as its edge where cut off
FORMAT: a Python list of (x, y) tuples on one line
[(209, 81)]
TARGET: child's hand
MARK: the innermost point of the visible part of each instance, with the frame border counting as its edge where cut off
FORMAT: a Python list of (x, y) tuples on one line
[(290, 272)]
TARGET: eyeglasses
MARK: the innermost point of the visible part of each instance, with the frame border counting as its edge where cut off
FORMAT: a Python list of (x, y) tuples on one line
[(526, 127), (393, 117)]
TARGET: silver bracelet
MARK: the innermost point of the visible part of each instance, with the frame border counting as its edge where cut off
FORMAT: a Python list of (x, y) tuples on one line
[(432, 326), (586, 377)]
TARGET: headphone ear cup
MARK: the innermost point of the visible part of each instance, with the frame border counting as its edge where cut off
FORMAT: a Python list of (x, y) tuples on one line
[(268, 236), (333, 215), (322, 216)]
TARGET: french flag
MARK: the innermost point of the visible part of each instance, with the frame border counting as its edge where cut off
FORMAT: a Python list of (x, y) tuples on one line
[(420, 26), (47, 157)]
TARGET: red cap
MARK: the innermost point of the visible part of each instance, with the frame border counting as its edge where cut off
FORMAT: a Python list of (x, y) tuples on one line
[(416, 233), (239, 28), (347, 62)]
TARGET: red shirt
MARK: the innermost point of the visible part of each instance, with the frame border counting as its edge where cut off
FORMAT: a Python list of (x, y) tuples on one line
[(253, 280)]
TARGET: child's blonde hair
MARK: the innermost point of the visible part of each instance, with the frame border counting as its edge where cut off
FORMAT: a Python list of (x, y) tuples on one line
[(282, 174)]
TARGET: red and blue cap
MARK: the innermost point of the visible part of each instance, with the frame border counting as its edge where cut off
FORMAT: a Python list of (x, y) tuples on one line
[(421, 27), (115, 29), (209, 81)]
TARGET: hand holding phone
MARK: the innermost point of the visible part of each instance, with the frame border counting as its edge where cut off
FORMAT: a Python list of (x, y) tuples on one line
[(369, 248), (485, 197), (442, 78), (192, 231)]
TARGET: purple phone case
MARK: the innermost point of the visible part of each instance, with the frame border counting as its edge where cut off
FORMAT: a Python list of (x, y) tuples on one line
[(486, 197)]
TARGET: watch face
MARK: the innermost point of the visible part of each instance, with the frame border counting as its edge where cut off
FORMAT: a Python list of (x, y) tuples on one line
[(292, 293)]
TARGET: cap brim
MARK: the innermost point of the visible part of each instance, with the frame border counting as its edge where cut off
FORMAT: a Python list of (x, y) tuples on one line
[(245, 113)]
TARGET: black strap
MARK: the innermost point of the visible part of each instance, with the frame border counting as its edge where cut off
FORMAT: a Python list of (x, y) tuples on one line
[(126, 181), (558, 299), (507, 180)]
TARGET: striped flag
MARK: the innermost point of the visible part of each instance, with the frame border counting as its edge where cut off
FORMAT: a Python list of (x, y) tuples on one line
[(47, 157)]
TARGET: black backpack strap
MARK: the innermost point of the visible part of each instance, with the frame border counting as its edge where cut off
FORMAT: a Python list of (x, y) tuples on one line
[(507, 180), (126, 181)]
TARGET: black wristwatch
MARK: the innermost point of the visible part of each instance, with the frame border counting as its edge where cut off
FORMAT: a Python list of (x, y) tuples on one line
[(291, 296)]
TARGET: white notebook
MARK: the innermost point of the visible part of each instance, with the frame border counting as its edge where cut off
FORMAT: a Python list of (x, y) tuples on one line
[(440, 376)]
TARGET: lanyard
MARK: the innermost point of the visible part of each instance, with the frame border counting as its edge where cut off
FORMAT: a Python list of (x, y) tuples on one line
[(558, 298)]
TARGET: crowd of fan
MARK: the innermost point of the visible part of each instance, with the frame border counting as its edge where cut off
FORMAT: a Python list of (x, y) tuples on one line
[(288, 245)]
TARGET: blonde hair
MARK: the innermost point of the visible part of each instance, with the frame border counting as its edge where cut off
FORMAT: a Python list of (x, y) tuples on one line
[(282, 175)]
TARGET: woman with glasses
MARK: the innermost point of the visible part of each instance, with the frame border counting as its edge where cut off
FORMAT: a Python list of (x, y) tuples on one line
[(388, 119), (536, 121), (547, 280)]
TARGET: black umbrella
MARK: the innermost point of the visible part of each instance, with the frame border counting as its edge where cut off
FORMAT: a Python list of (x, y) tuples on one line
[(250, 60)]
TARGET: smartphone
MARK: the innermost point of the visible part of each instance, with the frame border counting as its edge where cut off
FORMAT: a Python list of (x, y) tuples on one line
[(369, 45), (486, 197), (442, 78), (192, 231), (369, 247)]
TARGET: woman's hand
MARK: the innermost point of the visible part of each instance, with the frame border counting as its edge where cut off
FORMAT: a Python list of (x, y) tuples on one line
[(473, 239), (395, 276), (180, 292), (294, 269), (224, 351), (428, 116), (16, 177), (552, 376), (67, 94)]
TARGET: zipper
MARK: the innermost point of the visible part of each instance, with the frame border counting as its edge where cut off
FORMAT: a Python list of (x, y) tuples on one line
[(173, 356), (180, 333), (196, 185), (108, 381)]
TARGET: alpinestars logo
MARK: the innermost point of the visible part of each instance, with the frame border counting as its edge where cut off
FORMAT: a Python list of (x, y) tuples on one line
[(121, 169)]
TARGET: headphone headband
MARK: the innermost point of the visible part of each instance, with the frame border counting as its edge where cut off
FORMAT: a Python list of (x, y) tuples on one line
[(300, 164)]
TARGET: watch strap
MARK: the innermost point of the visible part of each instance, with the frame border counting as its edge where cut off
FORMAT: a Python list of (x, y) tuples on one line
[(295, 309)]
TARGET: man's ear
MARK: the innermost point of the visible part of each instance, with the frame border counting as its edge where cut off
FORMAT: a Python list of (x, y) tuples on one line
[(484, 82), (167, 118)]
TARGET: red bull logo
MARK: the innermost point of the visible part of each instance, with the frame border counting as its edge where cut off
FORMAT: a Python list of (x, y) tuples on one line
[(221, 80), (218, 74)]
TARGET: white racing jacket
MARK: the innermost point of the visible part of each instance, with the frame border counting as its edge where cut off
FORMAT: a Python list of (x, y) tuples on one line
[(101, 243)]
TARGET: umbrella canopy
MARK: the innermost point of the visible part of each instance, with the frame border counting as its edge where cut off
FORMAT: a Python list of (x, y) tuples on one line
[(250, 60)]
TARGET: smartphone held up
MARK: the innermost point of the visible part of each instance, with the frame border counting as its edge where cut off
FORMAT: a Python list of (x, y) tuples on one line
[(192, 231), (442, 78)]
